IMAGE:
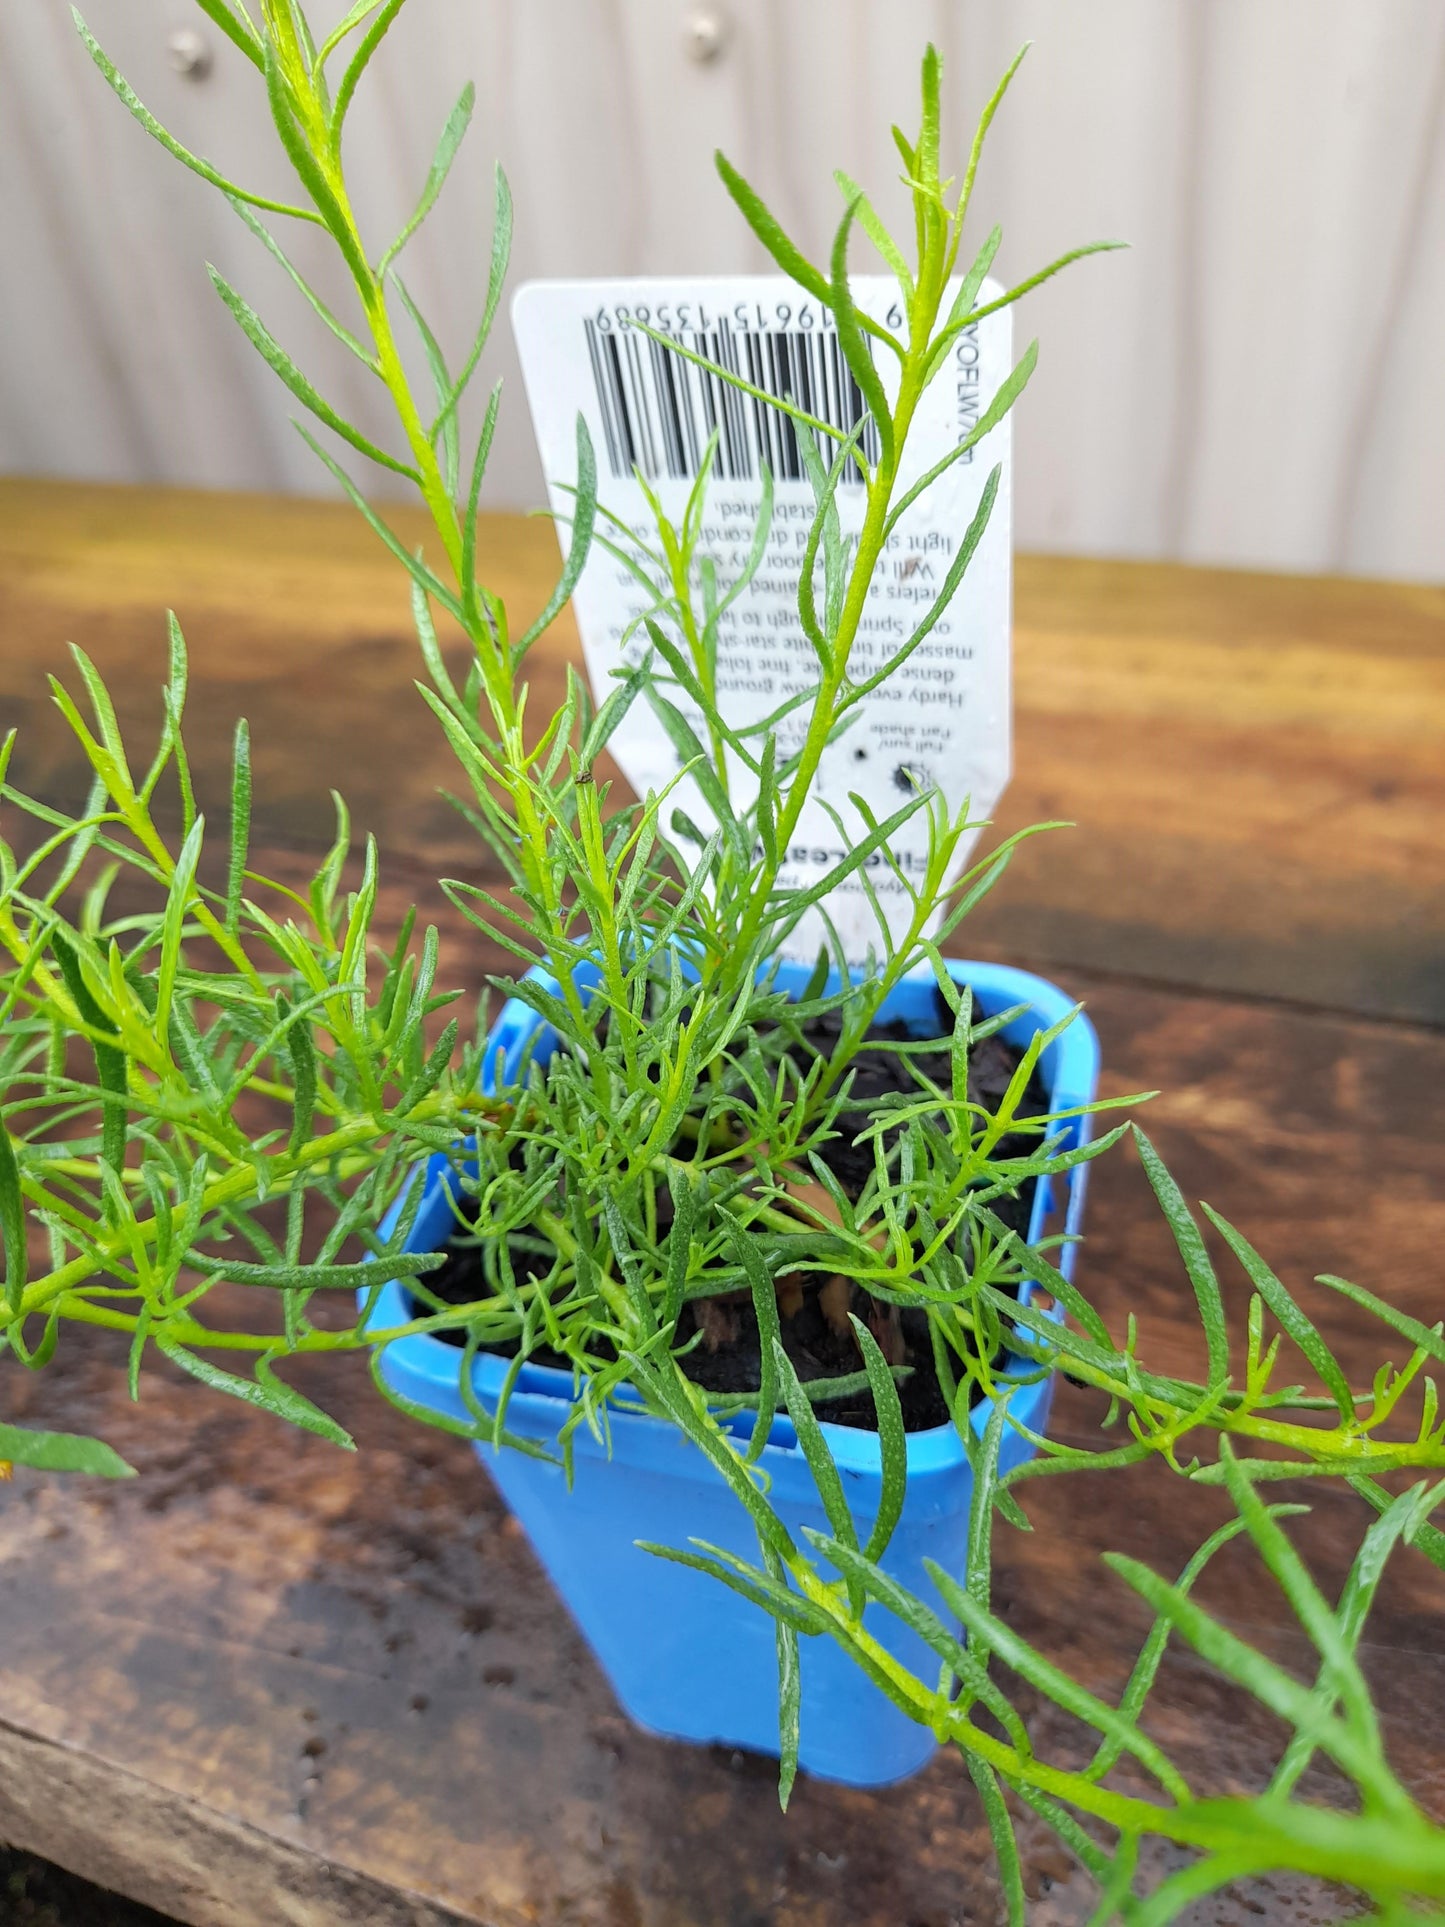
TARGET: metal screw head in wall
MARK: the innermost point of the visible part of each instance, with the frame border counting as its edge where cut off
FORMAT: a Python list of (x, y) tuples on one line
[(190, 53), (705, 32)]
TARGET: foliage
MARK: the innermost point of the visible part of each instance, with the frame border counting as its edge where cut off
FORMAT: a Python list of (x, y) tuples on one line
[(1380, 1843), (673, 1149), (195, 1086)]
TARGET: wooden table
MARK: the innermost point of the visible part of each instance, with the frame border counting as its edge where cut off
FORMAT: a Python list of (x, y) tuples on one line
[(269, 1683)]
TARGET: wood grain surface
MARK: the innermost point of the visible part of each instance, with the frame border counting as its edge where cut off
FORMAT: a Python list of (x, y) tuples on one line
[(1255, 764), (270, 1682)]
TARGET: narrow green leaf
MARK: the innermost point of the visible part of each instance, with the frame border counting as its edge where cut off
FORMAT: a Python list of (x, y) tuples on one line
[(626, 1261), (314, 175), (790, 1689), (851, 341), (775, 1599), (174, 697), (797, 901), (301, 1049), (602, 726), (105, 722), (474, 495), (820, 1460), (360, 61), (1067, 1693), (276, 357), (452, 136), (360, 1276), (1399, 1520), (978, 1574), (128, 98), (1001, 1832), (240, 824), (583, 520), (179, 898), (824, 530), (892, 1440), (268, 240), (1427, 1337), (927, 151), (1424, 1538), (744, 387), (1232, 1656), (1292, 1319), (1003, 400), (694, 761), (110, 1063), (61, 1452), (496, 279), (12, 1223), (766, 227), (437, 1063), (1340, 1670), (344, 27), (137, 1353), (765, 1305), (963, 556), (1196, 1259), (664, 1387), (265, 1390), (441, 382), (418, 570), (960, 315), (236, 30), (1151, 1654), (873, 227), (985, 121), (963, 1664), (1017, 293)]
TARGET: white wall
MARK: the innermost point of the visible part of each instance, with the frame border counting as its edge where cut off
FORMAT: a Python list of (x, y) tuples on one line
[(1259, 382)]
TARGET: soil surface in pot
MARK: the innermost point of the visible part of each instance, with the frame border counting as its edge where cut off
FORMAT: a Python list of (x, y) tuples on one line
[(813, 1316)]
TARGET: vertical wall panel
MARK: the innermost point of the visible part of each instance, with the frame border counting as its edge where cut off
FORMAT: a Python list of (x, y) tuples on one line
[(1257, 381)]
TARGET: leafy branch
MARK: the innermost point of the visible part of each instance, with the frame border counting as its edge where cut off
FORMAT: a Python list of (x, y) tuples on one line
[(685, 1088), (188, 1072), (1383, 1845)]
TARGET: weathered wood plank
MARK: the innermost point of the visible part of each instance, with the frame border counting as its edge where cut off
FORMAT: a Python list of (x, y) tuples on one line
[(1256, 764)]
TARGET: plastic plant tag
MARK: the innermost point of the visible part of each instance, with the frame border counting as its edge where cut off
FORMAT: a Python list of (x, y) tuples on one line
[(943, 720)]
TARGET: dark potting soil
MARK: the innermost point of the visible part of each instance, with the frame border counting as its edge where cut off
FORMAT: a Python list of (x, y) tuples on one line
[(814, 1327)]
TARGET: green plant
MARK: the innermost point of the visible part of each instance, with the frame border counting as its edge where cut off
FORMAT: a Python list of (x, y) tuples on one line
[(673, 1152)]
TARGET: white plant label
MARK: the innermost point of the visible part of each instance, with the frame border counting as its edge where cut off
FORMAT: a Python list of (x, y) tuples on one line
[(943, 720)]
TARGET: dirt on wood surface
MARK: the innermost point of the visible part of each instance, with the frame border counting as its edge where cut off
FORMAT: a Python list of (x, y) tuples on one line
[(814, 1313)]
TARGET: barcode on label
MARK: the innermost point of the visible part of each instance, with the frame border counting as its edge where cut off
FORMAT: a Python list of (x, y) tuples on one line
[(659, 410)]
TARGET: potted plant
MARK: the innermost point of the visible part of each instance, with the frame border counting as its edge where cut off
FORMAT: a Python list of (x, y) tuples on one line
[(689, 1146), (674, 1155)]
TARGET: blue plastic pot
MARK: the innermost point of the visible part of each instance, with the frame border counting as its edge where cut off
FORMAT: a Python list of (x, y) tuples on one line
[(686, 1657)]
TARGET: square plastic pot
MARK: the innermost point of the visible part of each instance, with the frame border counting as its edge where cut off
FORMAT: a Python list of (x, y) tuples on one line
[(685, 1656)]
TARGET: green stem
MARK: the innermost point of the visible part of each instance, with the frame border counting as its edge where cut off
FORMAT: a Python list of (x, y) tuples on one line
[(240, 1185)]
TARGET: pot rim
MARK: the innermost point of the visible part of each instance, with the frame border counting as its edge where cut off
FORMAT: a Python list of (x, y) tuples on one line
[(427, 1369)]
